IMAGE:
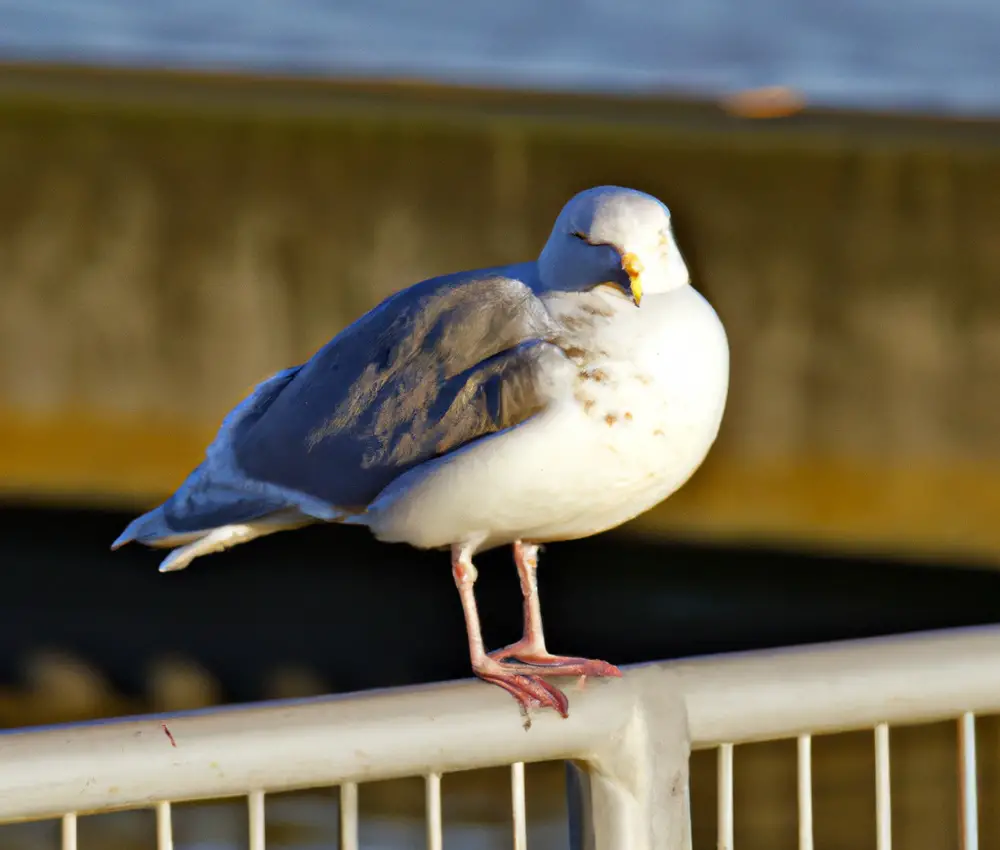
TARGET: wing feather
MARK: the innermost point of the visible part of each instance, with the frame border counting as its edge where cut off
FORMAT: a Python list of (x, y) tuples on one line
[(433, 368)]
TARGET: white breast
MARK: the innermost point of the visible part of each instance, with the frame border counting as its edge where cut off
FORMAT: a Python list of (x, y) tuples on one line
[(630, 423)]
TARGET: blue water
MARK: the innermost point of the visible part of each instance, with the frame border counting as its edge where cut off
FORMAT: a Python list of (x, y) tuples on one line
[(903, 54)]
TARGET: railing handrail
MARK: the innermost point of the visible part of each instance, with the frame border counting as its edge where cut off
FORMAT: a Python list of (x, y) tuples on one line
[(285, 745), (903, 679)]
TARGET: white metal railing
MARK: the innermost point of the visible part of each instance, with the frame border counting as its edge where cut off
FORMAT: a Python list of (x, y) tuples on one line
[(629, 738)]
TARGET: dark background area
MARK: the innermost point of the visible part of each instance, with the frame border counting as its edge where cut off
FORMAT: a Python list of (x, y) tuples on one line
[(363, 614)]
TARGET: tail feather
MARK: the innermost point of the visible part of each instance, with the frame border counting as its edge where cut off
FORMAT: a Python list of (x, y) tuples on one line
[(229, 535), (179, 558), (218, 505), (152, 530)]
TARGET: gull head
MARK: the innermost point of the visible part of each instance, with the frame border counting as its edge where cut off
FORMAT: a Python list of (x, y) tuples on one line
[(615, 237)]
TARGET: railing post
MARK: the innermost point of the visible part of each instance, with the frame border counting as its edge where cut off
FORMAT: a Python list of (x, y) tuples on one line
[(579, 806), (633, 793)]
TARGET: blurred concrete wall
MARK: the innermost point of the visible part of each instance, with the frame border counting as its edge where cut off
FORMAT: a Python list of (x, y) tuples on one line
[(167, 242)]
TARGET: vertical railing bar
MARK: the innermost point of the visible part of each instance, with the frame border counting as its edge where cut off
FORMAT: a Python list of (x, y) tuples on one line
[(164, 827), (518, 807), (968, 781), (805, 793), (432, 789), (883, 803), (255, 807), (349, 816), (580, 806), (69, 831), (725, 806)]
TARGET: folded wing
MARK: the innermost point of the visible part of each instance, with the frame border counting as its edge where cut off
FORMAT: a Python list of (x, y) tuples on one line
[(436, 366)]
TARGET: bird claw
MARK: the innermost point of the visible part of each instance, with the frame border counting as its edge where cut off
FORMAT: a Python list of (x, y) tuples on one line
[(521, 679), (529, 691), (531, 661)]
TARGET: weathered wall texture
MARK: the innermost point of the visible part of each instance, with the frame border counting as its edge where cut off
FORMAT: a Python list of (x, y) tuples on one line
[(153, 266)]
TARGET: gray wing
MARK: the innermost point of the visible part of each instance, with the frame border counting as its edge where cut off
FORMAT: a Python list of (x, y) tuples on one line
[(216, 492), (434, 367)]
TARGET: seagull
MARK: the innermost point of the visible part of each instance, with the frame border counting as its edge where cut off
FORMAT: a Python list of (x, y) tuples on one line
[(518, 405)]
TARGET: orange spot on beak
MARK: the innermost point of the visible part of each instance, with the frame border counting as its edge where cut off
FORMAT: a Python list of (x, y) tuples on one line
[(633, 268)]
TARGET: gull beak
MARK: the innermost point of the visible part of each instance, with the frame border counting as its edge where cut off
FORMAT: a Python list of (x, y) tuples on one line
[(633, 268)]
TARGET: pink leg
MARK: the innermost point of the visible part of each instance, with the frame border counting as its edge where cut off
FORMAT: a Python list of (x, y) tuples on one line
[(530, 650), (530, 691)]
